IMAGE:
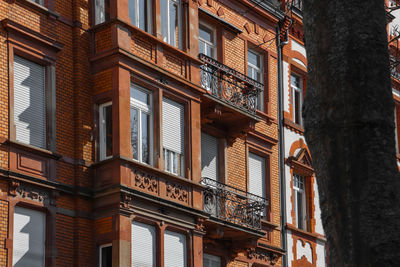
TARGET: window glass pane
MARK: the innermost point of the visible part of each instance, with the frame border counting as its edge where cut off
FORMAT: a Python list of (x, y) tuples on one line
[(253, 58), (134, 133), (164, 19), (106, 256), (143, 15), (202, 47), (206, 34), (145, 138), (132, 11), (210, 51), (173, 22), (108, 129), (300, 215), (167, 160), (297, 106), (140, 96)]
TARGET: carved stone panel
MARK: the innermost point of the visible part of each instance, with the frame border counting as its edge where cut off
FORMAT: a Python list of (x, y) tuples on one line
[(177, 192), (146, 182)]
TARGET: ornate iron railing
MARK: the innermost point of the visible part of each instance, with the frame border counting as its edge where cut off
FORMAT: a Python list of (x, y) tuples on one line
[(229, 85), (233, 205)]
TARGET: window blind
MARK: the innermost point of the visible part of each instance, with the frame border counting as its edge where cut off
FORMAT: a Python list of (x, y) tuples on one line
[(174, 249), (256, 175), (143, 244), (209, 156), (173, 126), (29, 238), (29, 102)]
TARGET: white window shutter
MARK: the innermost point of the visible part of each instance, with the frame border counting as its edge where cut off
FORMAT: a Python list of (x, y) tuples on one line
[(29, 238), (29, 102), (143, 244), (256, 175), (173, 126), (174, 249), (209, 156)]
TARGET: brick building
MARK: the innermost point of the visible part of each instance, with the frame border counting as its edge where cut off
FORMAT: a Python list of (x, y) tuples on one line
[(140, 133)]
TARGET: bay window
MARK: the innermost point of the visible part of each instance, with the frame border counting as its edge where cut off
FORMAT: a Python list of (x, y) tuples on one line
[(141, 124), (173, 135), (171, 22), (140, 13)]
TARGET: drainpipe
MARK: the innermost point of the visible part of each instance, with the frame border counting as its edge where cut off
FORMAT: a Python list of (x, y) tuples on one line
[(282, 178)]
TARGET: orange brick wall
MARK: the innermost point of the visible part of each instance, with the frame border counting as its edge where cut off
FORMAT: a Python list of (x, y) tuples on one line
[(3, 231)]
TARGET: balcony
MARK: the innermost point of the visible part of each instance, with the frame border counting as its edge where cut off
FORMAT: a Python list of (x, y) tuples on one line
[(235, 208), (229, 85)]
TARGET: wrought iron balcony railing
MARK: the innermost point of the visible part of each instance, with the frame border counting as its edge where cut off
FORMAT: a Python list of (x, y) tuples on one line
[(229, 85), (233, 205)]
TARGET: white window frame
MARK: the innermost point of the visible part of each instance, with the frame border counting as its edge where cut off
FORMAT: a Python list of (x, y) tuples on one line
[(171, 156), (148, 15), (147, 109), (102, 131), (299, 188), (257, 69), (207, 43), (300, 91), (101, 253), (168, 38)]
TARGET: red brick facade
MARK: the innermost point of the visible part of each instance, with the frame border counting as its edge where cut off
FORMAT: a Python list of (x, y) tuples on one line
[(90, 202)]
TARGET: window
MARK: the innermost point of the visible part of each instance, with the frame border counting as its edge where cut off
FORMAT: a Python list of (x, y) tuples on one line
[(102, 8), (211, 261), (30, 102), (207, 41), (140, 14), (299, 201), (209, 156), (257, 175), (173, 136), (40, 2), (171, 22), (255, 71), (105, 257), (141, 125), (143, 245), (105, 121), (174, 249), (29, 238), (297, 97)]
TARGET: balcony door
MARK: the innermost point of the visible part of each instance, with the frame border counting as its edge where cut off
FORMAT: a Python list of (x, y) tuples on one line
[(210, 170)]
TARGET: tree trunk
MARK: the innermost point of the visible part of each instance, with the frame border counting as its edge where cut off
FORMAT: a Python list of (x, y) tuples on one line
[(349, 128)]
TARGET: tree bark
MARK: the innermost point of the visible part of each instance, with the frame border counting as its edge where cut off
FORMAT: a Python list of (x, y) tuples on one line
[(349, 128)]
